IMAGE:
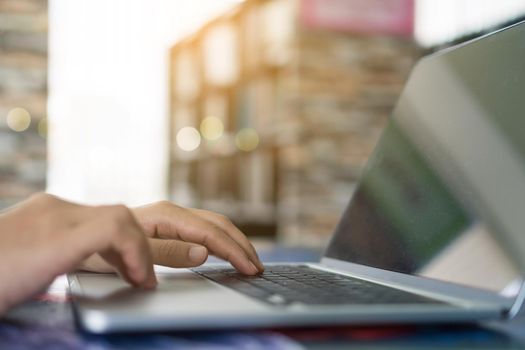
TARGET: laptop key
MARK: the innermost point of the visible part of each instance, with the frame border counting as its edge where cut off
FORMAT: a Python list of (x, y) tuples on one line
[(284, 285)]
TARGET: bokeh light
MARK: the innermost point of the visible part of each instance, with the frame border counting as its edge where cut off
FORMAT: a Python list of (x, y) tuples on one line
[(18, 119), (188, 139), (212, 128), (247, 139), (42, 128)]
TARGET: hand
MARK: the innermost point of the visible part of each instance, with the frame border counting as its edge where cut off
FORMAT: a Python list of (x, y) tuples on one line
[(180, 237), (45, 237)]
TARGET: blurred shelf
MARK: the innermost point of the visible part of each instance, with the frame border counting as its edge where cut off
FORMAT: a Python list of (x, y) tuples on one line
[(310, 101)]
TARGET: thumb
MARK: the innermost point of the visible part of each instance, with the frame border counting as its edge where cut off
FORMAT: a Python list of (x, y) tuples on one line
[(174, 253)]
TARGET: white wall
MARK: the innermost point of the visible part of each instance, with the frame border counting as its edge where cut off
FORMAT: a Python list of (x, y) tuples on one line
[(108, 95)]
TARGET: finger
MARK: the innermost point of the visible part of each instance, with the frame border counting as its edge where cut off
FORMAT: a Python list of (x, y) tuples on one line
[(174, 253), (95, 263), (128, 245), (171, 222), (221, 245), (227, 226), (119, 266), (113, 232)]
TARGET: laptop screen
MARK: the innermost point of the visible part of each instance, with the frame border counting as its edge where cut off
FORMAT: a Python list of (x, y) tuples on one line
[(443, 196)]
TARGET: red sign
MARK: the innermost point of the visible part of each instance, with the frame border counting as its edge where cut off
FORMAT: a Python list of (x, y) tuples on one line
[(394, 17)]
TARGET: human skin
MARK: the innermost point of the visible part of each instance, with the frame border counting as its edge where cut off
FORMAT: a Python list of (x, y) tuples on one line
[(45, 236)]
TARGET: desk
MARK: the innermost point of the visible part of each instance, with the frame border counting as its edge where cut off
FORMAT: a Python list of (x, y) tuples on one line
[(47, 323)]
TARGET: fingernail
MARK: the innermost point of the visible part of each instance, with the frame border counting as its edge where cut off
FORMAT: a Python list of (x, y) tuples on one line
[(254, 268), (150, 283), (197, 254), (260, 264)]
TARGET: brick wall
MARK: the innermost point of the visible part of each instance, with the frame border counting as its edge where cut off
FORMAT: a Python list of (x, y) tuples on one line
[(23, 90), (336, 96)]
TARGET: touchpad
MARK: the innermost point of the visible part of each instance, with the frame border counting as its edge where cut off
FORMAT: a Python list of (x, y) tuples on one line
[(111, 286), (179, 292)]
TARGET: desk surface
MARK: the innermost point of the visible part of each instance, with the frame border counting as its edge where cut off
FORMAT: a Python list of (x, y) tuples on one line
[(47, 323)]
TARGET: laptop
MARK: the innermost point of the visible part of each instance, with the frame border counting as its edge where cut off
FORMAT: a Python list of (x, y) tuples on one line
[(434, 232)]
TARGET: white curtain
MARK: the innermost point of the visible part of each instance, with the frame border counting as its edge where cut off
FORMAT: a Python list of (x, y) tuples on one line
[(108, 95)]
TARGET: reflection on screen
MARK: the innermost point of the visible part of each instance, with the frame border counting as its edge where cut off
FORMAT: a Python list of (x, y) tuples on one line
[(415, 210), (404, 218)]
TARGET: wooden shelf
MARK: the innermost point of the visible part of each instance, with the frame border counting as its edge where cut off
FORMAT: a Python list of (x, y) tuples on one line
[(316, 98)]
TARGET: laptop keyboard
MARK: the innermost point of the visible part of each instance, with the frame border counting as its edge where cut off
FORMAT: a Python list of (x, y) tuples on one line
[(286, 284)]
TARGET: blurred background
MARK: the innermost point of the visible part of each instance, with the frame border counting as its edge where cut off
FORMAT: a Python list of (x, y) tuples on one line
[(263, 110)]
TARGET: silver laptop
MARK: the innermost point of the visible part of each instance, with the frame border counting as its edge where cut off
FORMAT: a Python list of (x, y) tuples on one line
[(435, 230)]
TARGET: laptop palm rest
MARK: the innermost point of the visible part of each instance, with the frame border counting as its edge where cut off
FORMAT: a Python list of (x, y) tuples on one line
[(177, 293)]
